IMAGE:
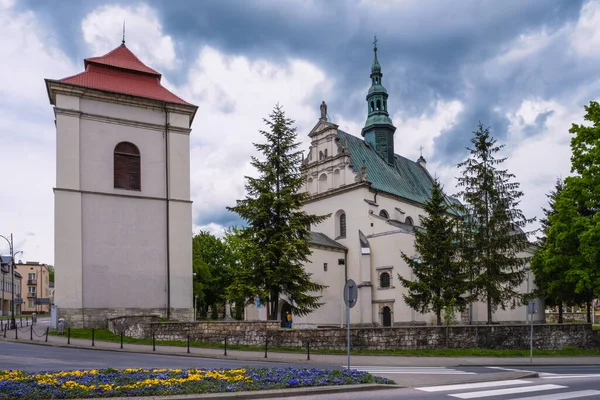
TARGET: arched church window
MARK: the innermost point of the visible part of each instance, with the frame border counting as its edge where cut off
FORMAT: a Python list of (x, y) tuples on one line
[(384, 214), (378, 105), (343, 225), (386, 316), (127, 166), (409, 221), (372, 106), (385, 105), (384, 280)]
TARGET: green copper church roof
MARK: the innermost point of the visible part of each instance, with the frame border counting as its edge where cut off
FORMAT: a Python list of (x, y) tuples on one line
[(405, 178)]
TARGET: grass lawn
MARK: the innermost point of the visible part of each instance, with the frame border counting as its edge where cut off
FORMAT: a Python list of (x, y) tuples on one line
[(19, 385), (106, 335)]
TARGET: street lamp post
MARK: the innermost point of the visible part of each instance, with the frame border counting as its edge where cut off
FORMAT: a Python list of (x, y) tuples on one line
[(529, 314)]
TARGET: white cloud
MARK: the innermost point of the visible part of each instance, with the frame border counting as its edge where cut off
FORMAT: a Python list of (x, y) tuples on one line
[(586, 35), (102, 31), (27, 132), (414, 132), (234, 93)]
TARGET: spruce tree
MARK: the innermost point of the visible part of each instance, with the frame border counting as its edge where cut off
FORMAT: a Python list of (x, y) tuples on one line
[(278, 229), (440, 281), (493, 224)]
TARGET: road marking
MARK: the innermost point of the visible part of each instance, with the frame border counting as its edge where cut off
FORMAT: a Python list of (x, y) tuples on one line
[(567, 376), (501, 392), (478, 385), (411, 370), (563, 396), (522, 370)]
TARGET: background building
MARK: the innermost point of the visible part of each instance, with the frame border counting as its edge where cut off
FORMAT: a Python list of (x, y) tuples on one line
[(7, 287), (35, 287), (375, 198), (123, 214)]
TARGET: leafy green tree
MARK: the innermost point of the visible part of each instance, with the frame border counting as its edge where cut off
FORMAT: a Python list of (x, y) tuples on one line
[(212, 260), (440, 281), (51, 273), (584, 189), (493, 224), (277, 235)]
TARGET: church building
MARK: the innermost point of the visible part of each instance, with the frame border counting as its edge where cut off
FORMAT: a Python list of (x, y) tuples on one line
[(123, 214), (375, 198)]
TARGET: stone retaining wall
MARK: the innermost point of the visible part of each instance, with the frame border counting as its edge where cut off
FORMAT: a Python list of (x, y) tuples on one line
[(547, 337), (98, 317), (569, 317)]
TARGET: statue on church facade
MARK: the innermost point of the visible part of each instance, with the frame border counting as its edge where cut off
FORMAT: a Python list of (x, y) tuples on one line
[(323, 111)]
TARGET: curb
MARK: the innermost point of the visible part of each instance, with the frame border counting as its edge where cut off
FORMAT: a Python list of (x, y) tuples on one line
[(265, 394)]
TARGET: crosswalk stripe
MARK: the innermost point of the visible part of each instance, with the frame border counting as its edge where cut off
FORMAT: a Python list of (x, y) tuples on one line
[(564, 396), (478, 385), (500, 392)]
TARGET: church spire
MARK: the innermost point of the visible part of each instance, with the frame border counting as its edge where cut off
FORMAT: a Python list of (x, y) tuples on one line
[(379, 128)]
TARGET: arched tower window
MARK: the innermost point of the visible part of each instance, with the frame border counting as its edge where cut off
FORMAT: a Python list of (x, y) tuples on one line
[(384, 214), (409, 221), (384, 280), (378, 105), (372, 106), (127, 166)]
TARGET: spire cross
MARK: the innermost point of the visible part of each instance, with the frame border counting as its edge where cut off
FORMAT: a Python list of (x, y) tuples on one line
[(123, 42), (375, 42), (421, 149)]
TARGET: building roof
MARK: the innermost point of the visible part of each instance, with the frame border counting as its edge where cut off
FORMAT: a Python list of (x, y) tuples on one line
[(320, 239), (4, 260), (120, 71), (406, 178)]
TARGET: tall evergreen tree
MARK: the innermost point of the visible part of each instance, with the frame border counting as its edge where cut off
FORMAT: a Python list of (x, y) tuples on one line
[(440, 281), (277, 234), (493, 224)]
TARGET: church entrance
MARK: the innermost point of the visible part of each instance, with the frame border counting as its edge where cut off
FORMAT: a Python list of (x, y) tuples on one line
[(285, 309), (386, 316)]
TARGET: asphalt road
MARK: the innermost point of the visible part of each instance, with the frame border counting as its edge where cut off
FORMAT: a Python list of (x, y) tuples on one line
[(516, 389)]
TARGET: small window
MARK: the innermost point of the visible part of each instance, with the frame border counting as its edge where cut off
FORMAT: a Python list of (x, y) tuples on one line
[(343, 225), (325, 267), (378, 105), (372, 106), (127, 166), (384, 280), (409, 221), (31, 276), (30, 304), (384, 214)]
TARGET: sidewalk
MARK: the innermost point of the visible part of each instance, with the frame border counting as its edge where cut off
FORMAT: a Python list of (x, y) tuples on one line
[(272, 356)]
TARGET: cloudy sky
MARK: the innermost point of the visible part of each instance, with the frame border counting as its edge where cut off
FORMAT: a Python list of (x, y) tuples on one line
[(526, 69)]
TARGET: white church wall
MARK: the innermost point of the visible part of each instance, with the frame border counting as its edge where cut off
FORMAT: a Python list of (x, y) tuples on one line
[(67, 144), (180, 229), (98, 141), (332, 312), (68, 249), (179, 171), (124, 252), (121, 111)]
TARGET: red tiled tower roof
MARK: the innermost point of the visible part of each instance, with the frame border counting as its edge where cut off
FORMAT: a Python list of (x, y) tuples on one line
[(120, 71)]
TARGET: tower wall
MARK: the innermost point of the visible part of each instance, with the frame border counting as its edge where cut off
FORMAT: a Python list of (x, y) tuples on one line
[(111, 245)]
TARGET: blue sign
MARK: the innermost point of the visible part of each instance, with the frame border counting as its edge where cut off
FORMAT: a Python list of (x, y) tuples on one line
[(258, 303)]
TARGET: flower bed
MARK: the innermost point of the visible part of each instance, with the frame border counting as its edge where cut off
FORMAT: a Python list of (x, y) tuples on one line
[(163, 382)]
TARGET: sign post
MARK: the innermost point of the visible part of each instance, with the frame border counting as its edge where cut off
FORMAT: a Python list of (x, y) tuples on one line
[(350, 297)]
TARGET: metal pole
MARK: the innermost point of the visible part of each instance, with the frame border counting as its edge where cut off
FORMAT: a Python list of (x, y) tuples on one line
[(531, 330), (12, 264), (348, 324)]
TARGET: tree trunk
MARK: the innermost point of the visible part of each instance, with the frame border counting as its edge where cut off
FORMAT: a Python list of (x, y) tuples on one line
[(560, 312), (588, 306), (489, 311), (438, 315)]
